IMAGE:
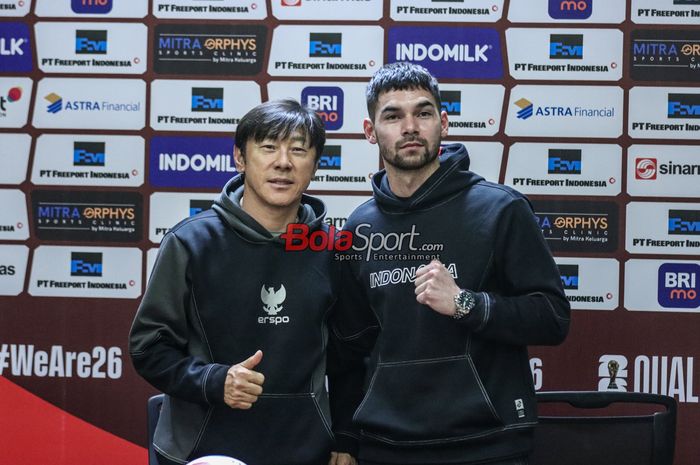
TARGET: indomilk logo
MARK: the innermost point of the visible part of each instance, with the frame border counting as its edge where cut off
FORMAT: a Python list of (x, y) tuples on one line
[(684, 222), (645, 168), (330, 160), (327, 102), (564, 161), (678, 285), (55, 103), (88, 153), (85, 264), (208, 99), (566, 46), (569, 276), (451, 102), (91, 6), (198, 206), (570, 9), (526, 108), (322, 44), (684, 106), (90, 42)]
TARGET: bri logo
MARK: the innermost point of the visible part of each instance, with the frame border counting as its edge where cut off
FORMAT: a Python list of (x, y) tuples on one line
[(645, 168), (91, 6), (678, 285), (327, 102), (85, 264), (272, 301), (570, 9)]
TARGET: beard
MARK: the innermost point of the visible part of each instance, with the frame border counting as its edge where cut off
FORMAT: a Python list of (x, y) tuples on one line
[(413, 162)]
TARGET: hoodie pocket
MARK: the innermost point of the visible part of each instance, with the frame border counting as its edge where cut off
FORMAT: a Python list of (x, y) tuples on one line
[(284, 429), (426, 401)]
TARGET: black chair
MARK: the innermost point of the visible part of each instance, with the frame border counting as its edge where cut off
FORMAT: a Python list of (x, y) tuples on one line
[(644, 437), (152, 414)]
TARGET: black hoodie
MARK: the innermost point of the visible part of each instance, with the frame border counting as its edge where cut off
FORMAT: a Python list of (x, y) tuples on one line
[(222, 288), (441, 390)]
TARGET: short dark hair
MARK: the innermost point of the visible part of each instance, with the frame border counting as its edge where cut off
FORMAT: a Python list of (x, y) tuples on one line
[(278, 120), (400, 76)]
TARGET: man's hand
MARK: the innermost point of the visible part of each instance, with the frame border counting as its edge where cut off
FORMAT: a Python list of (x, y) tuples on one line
[(436, 288), (243, 385), (341, 458)]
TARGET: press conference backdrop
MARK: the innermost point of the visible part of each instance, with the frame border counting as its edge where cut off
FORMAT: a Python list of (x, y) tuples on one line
[(116, 122)]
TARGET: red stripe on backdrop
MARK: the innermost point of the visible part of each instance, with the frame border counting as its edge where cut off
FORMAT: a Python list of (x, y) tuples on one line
[(34, 431)]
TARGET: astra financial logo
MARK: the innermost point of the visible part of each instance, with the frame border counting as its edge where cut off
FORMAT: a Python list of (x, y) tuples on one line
[(684, 106), (678, 285), (325, 45), (569, 276), (15, 48), (566, 46), (570, 9), (331, 159), (645, 168), (564, 161), (526, 108), (55, 103), (85, 264), (327, 102), (449, 52), (88, 153), (91, 6), (90, 42), (451, 102), (198, 206), (208, 99), (684, 222)]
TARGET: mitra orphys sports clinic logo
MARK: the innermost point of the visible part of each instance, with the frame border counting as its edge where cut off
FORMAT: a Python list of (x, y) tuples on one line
[(272, 301), (367, 245), (13, 95)]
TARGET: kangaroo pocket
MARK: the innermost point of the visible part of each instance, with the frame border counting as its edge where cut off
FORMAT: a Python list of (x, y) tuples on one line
[(426, 401), (284, 429)]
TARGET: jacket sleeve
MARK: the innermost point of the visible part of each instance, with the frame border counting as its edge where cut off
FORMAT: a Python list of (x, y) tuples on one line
[(164, 323), (527, 305)]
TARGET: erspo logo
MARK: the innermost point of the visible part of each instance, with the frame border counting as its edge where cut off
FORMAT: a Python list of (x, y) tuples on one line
[(566, 46), (665, 55), (449, 52), (570, 9), (90, 42), (85, 264), (15, 48), (678, 285), (87, 216), (91, 6), (331, 158), (209, 49), (205, 162), (327, 102), (451, 102)]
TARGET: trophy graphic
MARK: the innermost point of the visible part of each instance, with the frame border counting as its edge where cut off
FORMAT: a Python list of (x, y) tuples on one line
[(613, 366)]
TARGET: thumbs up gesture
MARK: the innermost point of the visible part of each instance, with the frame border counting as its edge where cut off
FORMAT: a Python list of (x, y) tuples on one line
[(243, 384)]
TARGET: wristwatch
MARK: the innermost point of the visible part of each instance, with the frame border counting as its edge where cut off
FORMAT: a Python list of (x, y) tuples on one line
[(464, 303)]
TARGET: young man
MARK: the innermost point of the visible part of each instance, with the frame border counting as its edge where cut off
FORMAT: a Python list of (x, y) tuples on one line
[(449, 379), (232, 327)]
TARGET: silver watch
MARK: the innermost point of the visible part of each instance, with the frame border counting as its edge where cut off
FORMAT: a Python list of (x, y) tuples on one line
[(464, 303)]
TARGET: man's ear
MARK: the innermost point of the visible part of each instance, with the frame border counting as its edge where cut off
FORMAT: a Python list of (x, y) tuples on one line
[(444, 124), (239, 159), (368, 129)]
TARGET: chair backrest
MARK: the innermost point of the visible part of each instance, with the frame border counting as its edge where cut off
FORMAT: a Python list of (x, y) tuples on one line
[(152, 414), (643, 438)]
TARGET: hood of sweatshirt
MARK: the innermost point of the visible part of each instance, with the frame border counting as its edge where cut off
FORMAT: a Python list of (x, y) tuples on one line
[(451, 178), (228, 207)]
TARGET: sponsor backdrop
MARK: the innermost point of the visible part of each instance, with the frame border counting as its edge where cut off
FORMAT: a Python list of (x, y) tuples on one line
[(117, 120)]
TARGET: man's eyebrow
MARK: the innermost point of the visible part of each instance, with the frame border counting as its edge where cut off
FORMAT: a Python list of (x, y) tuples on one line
[(422, 104)]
